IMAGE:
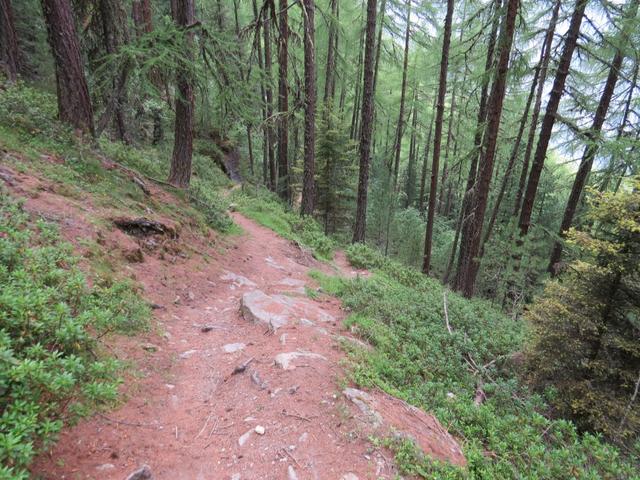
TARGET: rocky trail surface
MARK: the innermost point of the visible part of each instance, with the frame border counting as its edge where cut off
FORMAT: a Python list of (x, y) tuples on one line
[(241, 375)]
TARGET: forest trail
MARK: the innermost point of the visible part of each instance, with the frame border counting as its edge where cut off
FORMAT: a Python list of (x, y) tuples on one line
[(185, 413)]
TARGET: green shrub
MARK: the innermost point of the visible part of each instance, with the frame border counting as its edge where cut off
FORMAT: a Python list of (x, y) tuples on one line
[(51, 367)]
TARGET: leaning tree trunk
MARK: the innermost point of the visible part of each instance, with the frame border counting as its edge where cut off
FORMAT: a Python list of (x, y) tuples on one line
[(403, 92), (283, 105), (442, 92), (543, 65), (494, 113), (550, 116), (308, 177), (593, 138), (360, 226), (180, 173), (74, 102), (9, 52)]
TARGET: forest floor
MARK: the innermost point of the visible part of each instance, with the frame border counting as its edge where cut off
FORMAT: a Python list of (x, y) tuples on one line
[(207, 392)]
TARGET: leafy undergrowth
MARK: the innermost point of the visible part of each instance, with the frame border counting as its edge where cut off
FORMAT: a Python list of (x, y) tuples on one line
[(266, 208), (52, 368), (401, 313), (78, 168)]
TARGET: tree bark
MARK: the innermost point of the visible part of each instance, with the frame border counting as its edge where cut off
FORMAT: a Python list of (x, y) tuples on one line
[(425, 161), (442, 91), (266, 27), (550, 116), (283, 105), (74, 102), (142, 16), (593, 138), (543, 65), (329, 82), (403, 92), (308, 180), (9, 51), (180, 173), (360, 226), (410, 185), (494, 113), (353, 132)]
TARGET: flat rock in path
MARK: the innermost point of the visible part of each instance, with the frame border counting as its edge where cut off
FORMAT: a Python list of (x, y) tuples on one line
[(143, 473), (233, 347), (237, 280), (380, 411), (286, 360)]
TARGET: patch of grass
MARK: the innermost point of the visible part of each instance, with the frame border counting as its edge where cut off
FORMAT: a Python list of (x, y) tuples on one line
[(265, 208), (52, 369), (401, 313)]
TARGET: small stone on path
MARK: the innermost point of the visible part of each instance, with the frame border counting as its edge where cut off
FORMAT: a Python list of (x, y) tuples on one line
[(187, 354), (291, 473), (285, 360), (233, 347), (143, 473), (244, 437), (260, 430)]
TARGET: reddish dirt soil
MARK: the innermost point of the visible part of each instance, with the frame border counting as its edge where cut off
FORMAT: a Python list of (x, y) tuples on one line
[(183, 409)]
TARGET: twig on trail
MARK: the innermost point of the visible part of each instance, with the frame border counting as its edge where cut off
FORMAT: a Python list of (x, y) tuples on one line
[(176, 432), (446, 311), (243, 367), (286, 452), (306, 419), (128, 424), (203, 427)]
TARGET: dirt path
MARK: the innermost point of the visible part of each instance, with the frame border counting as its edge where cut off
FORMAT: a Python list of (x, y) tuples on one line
[(185, 416)]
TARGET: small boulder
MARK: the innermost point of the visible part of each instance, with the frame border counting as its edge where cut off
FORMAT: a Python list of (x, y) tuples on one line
[(143, 473), (286, 360)]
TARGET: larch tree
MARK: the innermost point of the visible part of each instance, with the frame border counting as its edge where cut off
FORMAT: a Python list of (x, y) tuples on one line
[(180, 173), (284, 189), (550, 116), (270, 158), (442, 92), (74, 102), (403, 94), (360, 226), (485, 173), (308, 180), (9, 51), (593, 136)]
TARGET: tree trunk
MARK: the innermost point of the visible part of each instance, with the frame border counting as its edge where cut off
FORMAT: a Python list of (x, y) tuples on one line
[(180, 174), (356, 99), (269, 98), (494, 113), (360, 226), (283, 106), (425, 162), (308, 177), (329, 82), (550, 116), (466, 212), (74, 102), (593, 139), (403, 91), (543, 65), (265, 135), (142, 16), (9, 51), (447, 148), (114, 35), (442, 91), (410, 185)]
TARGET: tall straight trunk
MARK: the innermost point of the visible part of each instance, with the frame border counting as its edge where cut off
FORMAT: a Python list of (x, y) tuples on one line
[(403, 92), (466, 212), (74, 102), (494, 114), (410, 186), (250, 147), (353, 132), (425, 161), (593, 138), (114, 35), (142, 16), (442, 92), (180, 174), (284, 189), (379, 45), (447, 149), (550, 116), (9, 51), (265, 135), (329, 82), (620, 130), (543, 65), (266, 28), (360, 225), (308, 177)]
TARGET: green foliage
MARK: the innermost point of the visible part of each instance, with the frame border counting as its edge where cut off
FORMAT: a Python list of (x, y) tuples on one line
[(401, 313), (50, 322), (265, 208), (585, 327)]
